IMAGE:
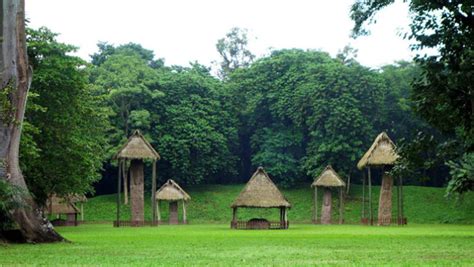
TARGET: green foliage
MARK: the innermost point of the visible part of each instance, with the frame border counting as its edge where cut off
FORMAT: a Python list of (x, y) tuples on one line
[(234, 52), (443, 94), (462, 174), (62, 148), (9, 199)]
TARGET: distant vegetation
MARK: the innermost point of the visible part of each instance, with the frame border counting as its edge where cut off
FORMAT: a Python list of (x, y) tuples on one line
[(293, 111)]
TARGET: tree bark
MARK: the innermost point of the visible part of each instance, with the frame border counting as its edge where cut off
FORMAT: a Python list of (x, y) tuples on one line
[(16, 80)]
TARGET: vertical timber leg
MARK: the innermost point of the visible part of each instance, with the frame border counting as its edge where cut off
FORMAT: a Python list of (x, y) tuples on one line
[(315, 219), (158, 213), (341, 206), (153, 193), (118, 193), (364, 214), (185, 221), (371, 218)]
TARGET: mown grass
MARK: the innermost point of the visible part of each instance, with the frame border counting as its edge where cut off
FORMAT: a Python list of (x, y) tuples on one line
[(218, 245), (211, 204)]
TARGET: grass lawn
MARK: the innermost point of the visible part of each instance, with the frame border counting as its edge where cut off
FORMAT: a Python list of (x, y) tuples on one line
[(216, 244)]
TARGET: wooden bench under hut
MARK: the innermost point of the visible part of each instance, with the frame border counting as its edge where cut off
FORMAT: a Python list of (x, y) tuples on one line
[(327, 180), (172, 192), (62, 206), (381, 155), (260, 192)]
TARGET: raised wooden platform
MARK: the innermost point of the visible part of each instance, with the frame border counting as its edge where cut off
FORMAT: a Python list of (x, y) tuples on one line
[(259, 225)]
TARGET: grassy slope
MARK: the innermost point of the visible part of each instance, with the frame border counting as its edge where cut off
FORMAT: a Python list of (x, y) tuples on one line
[(443, 245), (211, 204)]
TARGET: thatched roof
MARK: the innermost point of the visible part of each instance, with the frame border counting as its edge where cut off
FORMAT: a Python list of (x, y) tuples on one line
[(382, 152), (171, 191), (328, 178), (137, 147), (74, 198), (260, 192), (59, 205)]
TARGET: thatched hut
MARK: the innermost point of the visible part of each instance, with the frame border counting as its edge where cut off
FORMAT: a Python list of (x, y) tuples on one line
[(328, 179), (79, 199), (381, 154), (172, 192), (58, 206), (135, 150), (260, 192)]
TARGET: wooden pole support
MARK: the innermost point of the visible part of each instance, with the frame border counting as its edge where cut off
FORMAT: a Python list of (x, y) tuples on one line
[(315, 220), (118, 192), (153, 192), (371, 217), (341, 206)]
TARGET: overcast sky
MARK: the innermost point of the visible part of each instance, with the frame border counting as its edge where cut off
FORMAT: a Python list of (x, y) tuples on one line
[(187, 30)]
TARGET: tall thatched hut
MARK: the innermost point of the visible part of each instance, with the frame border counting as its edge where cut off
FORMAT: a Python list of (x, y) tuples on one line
[(260, 192), (172, 192), (135, 150), (381, 154), (328, 179)]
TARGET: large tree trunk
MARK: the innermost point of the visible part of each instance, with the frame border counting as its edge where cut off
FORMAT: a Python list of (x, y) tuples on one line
[(16, 79), (385, 200)]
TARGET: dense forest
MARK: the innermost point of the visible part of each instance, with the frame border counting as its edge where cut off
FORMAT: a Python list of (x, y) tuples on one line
[(292, 111)]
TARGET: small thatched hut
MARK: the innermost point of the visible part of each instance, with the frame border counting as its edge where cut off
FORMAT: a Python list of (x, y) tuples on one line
[(62, 206), (79, 199), (135, 150), (327, 180), (172, 192), (260, 192), (381, 154)]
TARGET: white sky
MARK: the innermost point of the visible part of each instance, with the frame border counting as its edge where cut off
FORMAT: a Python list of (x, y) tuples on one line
[(186, 30)]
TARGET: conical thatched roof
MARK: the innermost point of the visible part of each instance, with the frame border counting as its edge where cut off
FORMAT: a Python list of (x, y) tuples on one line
[(59, 205), (260, 192), (328, 178), (171, 191), (382, 152), (137, 147)]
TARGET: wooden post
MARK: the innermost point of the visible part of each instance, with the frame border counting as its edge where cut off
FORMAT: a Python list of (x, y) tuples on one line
[(401, 200), (184, 212), (153, 192), (82, 211), (233, 224), (285, 212), (315, 220), (118, 192), (158, 210), (364, 215), (398, 202), (371, 218), (125, 182), (341, 206)]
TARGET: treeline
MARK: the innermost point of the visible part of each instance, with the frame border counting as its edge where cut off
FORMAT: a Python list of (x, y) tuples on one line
[(292, 111)]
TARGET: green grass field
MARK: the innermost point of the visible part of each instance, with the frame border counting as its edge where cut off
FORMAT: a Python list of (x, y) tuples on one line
[(211, 204), (216, 244)]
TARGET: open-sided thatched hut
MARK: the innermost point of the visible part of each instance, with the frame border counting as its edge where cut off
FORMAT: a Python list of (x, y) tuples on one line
[(381, 154), (62, 206), (328, 179), (260, 192), (172, 192), (135, 150)]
